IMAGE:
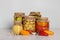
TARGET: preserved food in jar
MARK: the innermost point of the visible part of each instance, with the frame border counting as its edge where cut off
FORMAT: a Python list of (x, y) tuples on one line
[(17, 29), (18, 26), (29, 23), (42, 24), (18, 18)]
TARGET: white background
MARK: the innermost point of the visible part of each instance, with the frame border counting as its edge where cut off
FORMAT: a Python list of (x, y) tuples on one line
[(48, 8)]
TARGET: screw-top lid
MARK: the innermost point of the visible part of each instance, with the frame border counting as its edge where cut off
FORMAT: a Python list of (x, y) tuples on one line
[(44, 18), (17, 14), (35, 14)]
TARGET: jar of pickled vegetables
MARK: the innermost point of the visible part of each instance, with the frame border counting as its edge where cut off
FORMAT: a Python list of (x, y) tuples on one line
[(18, 26), (18, 18), (42, 24), (29, 23)]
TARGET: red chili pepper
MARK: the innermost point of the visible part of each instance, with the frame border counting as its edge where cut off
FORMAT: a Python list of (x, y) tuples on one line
[(42, 33)]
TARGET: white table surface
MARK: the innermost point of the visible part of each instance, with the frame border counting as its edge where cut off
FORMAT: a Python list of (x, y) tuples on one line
[(6, 35)]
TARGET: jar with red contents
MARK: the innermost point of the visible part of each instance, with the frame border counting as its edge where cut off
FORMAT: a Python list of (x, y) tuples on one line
[(41, 25)]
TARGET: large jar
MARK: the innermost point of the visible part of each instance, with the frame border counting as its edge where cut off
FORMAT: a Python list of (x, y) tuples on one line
[(29, 23), (42, 24)]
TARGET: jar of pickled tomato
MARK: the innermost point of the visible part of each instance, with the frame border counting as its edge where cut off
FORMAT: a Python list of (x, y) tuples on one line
[(42, 24)]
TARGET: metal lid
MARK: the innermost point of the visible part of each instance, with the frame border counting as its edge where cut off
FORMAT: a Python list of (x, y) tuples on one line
[(44, 18), (17, 14), (35, 14)]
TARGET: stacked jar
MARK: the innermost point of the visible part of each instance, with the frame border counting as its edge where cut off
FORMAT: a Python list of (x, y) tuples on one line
[(37, 16), (29, 23), (18, 26)]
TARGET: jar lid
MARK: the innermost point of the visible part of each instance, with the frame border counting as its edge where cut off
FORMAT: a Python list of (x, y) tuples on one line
[(44, 18), (17, 14), (29, 17), (35, 14)]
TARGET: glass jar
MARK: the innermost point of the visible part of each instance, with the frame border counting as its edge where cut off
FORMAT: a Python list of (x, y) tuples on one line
[(42, 24), (18, 18), (18, 26), (29, 23)]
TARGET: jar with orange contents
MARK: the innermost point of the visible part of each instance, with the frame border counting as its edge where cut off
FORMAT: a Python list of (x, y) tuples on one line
[(42, 24)]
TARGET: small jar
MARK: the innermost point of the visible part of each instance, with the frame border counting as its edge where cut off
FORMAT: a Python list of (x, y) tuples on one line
[(42, 24), (29, 23), (18, 18)]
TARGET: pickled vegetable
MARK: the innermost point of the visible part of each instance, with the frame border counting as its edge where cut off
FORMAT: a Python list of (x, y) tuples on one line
[(24, 32), (19, 19), (49, 32), (17, 29), (42, 33)]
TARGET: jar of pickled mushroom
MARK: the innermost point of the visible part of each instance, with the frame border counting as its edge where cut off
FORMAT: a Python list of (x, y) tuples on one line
[(29, 23), (42, 24)]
